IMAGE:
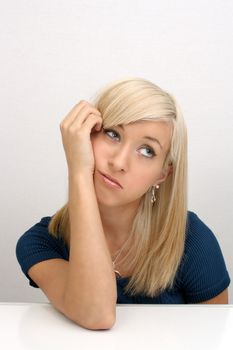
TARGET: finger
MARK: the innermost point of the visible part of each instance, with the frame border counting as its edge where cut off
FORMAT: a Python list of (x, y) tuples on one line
[(79, 114), (74, 111), (72, 115), (84, 113), (92, 122)]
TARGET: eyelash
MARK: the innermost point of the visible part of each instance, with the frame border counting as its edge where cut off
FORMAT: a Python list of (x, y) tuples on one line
[(111, 130)]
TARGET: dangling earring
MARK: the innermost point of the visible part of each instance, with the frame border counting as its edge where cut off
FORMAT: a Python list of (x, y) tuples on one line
[(153, 198)]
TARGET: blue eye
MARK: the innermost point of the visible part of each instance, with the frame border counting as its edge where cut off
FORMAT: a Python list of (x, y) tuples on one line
[(150, 150), (109, 131), (106, 131)]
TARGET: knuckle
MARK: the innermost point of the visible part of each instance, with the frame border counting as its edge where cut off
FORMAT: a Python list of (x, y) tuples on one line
[(89, 109), (83, 102), (95, 116), (93, 120), (88, 106), (63, 126)]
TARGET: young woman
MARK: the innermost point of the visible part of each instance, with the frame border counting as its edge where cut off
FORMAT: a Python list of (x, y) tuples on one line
[(125, 234)]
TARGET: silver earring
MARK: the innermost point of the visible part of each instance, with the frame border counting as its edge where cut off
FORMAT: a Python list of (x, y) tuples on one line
[(153, 198)]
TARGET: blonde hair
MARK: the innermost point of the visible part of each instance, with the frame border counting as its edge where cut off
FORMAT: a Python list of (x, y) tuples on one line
[(157, 238)]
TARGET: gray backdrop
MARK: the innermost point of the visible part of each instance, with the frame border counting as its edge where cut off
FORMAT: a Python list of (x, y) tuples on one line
[(54, 53)]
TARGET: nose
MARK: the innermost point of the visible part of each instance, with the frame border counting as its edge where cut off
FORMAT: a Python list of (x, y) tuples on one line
[(120, 159)]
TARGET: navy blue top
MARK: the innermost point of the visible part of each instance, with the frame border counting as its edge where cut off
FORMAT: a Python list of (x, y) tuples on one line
[(201, 276)]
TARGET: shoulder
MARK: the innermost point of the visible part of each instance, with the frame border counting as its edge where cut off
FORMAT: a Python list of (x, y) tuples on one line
[(198, 233), (203, 270), (37, 244), (37, 234)]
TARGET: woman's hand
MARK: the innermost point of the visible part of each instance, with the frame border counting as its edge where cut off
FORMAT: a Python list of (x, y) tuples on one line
[(76, 128)]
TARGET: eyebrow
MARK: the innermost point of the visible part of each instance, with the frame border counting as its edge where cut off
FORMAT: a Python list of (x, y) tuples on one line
[(146, 137)]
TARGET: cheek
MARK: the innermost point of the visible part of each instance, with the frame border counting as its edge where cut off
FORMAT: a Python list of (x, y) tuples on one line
[(99, 149), (141, 182)]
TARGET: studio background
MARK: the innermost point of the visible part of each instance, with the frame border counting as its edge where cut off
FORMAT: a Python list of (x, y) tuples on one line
[(55, 53)]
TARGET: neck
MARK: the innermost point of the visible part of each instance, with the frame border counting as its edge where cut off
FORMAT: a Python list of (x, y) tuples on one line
[(117, 222)]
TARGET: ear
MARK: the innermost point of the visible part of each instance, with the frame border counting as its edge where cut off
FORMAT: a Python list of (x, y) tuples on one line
[(165, 173)]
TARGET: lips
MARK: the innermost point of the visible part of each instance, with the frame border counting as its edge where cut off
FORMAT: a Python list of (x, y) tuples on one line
[(111, 178)]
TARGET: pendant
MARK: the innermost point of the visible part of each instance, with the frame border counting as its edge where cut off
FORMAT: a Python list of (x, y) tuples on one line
[(115, 270)]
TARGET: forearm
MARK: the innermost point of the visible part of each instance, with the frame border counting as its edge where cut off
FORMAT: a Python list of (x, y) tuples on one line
[(91, 284)]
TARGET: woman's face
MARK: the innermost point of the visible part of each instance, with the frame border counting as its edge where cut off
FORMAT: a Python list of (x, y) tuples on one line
[(127, 155)]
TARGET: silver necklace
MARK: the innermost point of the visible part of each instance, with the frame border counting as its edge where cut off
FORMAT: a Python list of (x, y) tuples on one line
[(113, 263)]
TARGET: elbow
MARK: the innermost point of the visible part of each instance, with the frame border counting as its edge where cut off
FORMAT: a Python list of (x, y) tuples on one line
[(103, 324), (89, 318), (90, 322)]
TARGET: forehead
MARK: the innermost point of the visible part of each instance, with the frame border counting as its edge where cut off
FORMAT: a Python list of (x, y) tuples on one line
[(160, 130)]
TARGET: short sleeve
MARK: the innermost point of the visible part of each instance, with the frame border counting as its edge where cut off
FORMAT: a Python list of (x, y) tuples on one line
[(204, 274), (37, 245)]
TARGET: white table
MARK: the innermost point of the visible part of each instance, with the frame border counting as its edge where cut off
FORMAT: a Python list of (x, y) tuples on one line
[(159, 327)]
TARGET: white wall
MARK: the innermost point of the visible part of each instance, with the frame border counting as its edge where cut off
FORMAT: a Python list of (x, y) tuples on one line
[(54, 53)]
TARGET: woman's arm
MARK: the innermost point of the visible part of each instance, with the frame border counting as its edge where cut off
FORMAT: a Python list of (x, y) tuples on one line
[(90, 294), (91, 284)]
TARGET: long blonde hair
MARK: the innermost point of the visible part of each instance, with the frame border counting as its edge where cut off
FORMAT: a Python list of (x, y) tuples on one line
[(157, 238)]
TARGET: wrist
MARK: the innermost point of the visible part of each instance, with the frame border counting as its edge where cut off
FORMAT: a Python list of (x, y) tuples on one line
[(83, 178)]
